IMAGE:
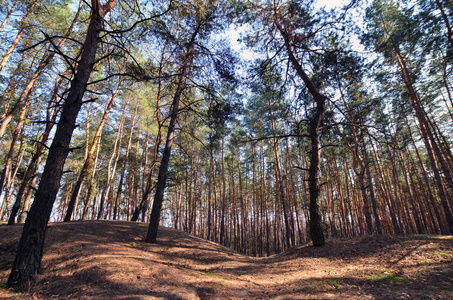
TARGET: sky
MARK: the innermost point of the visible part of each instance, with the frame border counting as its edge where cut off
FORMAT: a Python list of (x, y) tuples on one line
[(328, 4), (234, 33)]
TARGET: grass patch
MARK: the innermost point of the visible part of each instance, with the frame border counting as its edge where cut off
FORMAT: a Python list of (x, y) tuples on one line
[(446, 255), (216, 276), (333, 283), (386, 278), (133, 244), (326, 284)]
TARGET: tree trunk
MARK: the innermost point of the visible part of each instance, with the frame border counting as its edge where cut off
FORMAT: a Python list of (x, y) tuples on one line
[(430, 144), (10, 186), (316, 231), (162, 176), (223, 194), (371, 187), (6, 173), (143, 206), (18, 36), (113, 160), (10, 12), (446, 21), (29, 253), (27, 92), (90, 187), (53, 109), (430, 200), (123, 169), (89, 155)]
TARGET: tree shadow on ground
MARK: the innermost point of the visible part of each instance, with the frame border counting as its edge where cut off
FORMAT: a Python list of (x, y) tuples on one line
[(101, 260)]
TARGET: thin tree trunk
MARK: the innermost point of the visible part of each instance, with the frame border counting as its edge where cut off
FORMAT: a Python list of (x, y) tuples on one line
[(446, 21), (278, 174), (210, 176), (9, 187), (223, 203), (13, 83), (123, 169), (89, 155), (10, 12), (6, 173), (90, 187), (27, 92), (371, 188), (18, 36), (113, 160), (358, 160), (142, 208), (430, 144), (53, 109), (431, 200)]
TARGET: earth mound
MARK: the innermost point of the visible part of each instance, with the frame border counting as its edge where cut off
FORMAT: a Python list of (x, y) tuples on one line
[(110, 260)]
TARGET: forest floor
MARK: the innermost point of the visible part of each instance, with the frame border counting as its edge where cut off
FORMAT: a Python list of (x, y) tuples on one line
[(110, 260)]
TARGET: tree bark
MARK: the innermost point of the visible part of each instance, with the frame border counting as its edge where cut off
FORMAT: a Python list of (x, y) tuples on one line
[(29, 253), (223, 195), (27, 92), (10, 12), (6, 173), (446, 21), (371, 187), (123, 169), (151, 236), (53, 109), (143, 206), (430, 144), (18, 36), (92, 149), (316, 231), (113, 160)]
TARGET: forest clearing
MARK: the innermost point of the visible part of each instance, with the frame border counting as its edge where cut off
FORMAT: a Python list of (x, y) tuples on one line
[(110, 260)]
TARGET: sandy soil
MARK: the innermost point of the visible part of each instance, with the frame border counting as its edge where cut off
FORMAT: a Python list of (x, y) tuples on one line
[(110, 260)]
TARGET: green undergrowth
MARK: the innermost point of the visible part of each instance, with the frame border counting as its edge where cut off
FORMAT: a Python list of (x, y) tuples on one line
[(386, 278)]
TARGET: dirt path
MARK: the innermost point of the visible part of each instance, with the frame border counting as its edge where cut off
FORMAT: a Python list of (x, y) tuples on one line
[(110, 260)]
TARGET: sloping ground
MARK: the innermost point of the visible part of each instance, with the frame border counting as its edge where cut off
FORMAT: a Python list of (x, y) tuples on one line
[(110, 260)]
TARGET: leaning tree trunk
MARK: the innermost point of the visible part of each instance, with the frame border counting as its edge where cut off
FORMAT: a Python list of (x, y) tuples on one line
[(18, 36), (143, 206), (27, 92), (6, 178), (10, 12), (432, 148), (123, 169), (29, 253), (86, 164), (162, 176), (315, 123), (446, 21), (53, 109)]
